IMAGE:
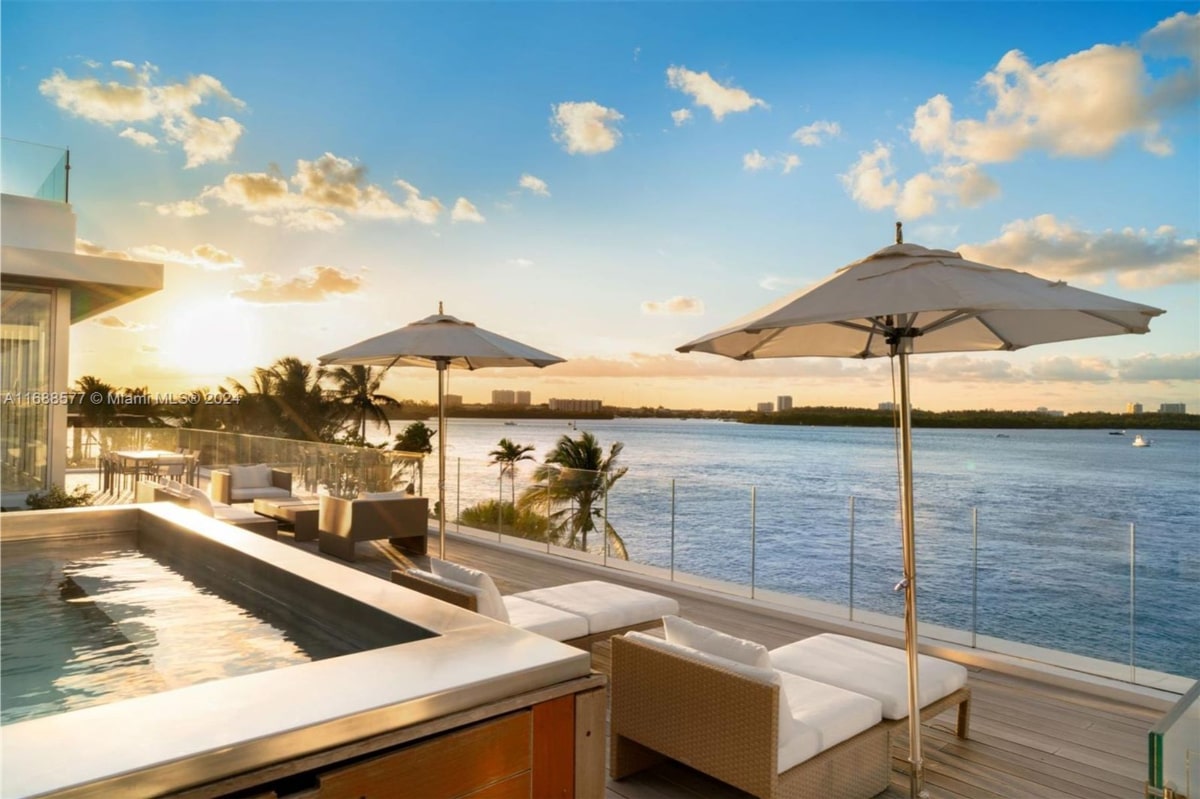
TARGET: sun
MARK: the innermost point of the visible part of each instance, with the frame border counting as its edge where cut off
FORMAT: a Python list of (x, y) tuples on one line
[(204, 341)]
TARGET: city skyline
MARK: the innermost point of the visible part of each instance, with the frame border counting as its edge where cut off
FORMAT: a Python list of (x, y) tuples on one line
[(607, 198)]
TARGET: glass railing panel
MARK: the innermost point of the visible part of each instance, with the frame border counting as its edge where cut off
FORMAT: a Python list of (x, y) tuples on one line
[(802, 551), (1055, 587), (575, 512), (1175, 747), (713, 534), (639, 510), (28, 169), (877, 561), (1167, 601), (946, 596)]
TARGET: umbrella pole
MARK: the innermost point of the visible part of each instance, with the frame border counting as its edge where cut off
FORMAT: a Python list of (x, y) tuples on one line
[(911, 642), (441, 434)]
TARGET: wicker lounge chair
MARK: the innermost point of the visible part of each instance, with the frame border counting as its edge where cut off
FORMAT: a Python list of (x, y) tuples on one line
[(724, 719), (401, 518), (248, 483), (579, 614)]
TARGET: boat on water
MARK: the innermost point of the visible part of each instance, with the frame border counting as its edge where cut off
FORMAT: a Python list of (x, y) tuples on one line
[(510, 424), (1138, 441), (1116, 432)]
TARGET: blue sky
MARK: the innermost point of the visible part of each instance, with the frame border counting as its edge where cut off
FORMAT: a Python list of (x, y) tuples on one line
[(609, 181)]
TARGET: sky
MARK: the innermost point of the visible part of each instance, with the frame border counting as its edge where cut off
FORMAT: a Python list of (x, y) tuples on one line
[(609, 181)]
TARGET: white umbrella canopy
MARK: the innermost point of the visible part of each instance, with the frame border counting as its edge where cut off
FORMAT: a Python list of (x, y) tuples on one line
[(908, 299), (443, 342)]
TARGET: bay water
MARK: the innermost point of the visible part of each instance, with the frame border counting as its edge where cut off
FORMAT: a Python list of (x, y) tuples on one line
[(1025, 535)]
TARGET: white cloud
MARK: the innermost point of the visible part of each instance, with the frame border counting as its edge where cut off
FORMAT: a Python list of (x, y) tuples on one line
[(535, 185), (676, 306), (1080, 106), (139, 137), (1051, 248), (817, 133), (754, 161), (117, 323), (790, 161), (523, 263), (707, 92), (871, 182), (680, 116), (325, 189), (1072, 370), (202, 256), (139, 98), (85, 247), (465, 211), (587, 127), (314, 284), (1149, 367), (182, 208)]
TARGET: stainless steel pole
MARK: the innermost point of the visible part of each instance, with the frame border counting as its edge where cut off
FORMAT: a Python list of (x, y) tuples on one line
[(672, 529), (911, 640), (851, 557), (753, 533), (441, 434)]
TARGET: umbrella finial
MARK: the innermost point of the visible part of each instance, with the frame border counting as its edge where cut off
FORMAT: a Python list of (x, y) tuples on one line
[(440, 302), (899, 232)]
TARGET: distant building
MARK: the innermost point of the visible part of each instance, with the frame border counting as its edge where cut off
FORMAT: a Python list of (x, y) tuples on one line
[(766, 407), (887, 406), (783, 402), (1048, 412), (1133, 407), (504, 397), (524, 398), (576, 405), (453, 400), (1172, 407)]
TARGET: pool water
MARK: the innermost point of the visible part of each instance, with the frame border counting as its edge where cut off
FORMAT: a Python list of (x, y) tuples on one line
[(96, 621)]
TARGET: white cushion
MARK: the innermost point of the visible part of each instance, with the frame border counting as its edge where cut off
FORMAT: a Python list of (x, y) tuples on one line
[(200, 501), (490, 602), (245, 494), (823, 716), (383, 495), (606, 606), (714, 642), (871, 669), (256, 476), (446, 582), (544, 620), (769, 676), (174, 485)]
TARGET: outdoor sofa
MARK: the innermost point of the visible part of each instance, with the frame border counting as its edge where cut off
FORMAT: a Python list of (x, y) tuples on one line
[(401, 518), (579, 614), (248, 483), (880, 672), (713, 702)]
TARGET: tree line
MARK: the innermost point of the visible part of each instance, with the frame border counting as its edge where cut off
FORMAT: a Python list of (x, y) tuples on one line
[(866, 417)]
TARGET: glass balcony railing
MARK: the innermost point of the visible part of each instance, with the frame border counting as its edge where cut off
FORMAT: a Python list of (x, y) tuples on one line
[(1051, 587), (1175, 750), (34, 170)]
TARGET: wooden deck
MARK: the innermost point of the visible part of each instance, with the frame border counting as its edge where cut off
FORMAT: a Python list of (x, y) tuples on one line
[(1028, 739)]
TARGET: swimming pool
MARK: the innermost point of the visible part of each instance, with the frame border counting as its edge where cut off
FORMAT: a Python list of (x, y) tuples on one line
[(416, 660)]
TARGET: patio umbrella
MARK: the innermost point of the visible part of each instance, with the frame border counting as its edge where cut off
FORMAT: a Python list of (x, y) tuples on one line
[(443, 342), (907, 299)]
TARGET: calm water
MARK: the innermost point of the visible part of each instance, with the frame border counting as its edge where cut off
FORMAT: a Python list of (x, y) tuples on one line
[(1054, 514), (85, 624)]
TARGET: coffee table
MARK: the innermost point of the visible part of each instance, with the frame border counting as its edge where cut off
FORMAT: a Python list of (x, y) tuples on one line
[(300, 513)]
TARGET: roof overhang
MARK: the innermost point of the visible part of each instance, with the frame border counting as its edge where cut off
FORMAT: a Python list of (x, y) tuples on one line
[(97, 284)]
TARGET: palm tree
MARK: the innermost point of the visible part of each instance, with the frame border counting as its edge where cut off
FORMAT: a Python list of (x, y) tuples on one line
[(94, 408), (570, 488), (508, 454), (286, 399), (417, 437), (357, 390)]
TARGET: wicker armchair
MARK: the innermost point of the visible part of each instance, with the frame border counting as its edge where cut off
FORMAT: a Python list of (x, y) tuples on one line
[(402, 519), (727, 726)]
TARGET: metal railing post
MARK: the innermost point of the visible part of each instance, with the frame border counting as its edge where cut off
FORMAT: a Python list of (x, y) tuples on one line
[(604, 532), (457, 496), (851, 557), (974, 577), (753, 535), (672, 529), (1132, 602)]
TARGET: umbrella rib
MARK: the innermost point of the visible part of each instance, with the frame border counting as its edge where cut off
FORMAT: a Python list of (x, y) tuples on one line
[(952, 318), (1106, 318), (1008, 345)]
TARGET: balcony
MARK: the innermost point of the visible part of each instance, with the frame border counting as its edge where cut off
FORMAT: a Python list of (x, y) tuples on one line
[(34, 170)]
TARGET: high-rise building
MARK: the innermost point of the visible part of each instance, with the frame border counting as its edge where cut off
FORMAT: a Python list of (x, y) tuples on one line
[(766, 407), (453, 400), (577, 405), (524, 398), (504, 397), (783, 402), (1172, 407), (887, 406), (1133, 407)]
